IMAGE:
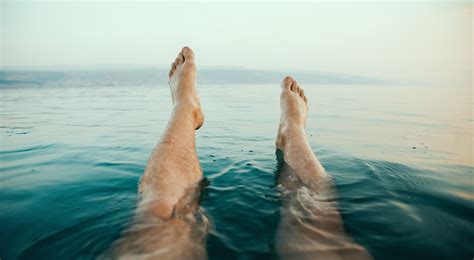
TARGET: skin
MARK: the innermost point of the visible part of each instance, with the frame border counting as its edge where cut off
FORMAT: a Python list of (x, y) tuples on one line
[(168, 223), (310, 226)]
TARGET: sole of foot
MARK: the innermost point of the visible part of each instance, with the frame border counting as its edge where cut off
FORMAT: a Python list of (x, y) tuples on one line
[(182, 81), (294, 110)]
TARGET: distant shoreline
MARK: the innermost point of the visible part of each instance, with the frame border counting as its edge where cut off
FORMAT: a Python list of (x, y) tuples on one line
[(153, 76)]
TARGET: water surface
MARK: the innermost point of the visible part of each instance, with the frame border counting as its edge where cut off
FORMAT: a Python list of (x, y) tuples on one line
[(400, 156)]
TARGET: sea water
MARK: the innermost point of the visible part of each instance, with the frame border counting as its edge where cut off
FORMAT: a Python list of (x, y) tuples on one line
[(400, 156)]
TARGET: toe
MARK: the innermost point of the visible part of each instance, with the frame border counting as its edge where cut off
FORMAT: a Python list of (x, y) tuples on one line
[(173, 68), (286, 83), (188, 54), (180, 58), (293, 86), (305, 99), (301, 92)]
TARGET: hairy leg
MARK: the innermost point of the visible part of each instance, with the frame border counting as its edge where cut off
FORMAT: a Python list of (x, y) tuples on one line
[(169, 223), (310, 225)]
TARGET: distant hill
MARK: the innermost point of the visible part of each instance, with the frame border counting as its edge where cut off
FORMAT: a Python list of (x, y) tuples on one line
[(150, 76)]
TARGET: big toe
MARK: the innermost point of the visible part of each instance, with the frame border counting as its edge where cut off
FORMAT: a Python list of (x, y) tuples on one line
[(287, 82), (188, 54)]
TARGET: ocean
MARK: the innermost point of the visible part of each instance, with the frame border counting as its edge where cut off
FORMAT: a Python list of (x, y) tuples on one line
[(401, 158)]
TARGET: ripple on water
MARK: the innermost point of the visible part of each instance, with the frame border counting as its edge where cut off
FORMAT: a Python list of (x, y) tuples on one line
[(86, 237), (69, 187)]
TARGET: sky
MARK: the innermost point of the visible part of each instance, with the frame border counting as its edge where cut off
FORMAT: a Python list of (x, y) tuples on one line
[(427, 41)]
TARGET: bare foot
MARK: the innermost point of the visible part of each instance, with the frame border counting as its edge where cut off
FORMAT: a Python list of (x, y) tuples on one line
[(310, 225), (294, 109), (173, 168), (182, 81), (168, 222)]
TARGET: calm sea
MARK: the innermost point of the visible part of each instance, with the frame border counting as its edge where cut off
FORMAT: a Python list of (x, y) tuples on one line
[(401, 158)]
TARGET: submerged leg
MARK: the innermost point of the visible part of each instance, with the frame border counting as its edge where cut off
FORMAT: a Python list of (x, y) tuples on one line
[(310, 225), (168, 223)]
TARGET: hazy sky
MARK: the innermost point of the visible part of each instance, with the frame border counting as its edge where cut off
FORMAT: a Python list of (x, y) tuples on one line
[(424, 41)]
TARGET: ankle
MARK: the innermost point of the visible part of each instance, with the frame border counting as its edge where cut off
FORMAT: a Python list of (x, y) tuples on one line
[(289, 132), (188, 105), (292, 129), (190, 109)]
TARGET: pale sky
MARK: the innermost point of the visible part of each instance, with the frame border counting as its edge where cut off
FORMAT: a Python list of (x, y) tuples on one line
[(423, 42)]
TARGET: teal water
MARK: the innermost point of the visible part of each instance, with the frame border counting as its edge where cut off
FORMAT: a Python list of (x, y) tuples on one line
[(401, 158)]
